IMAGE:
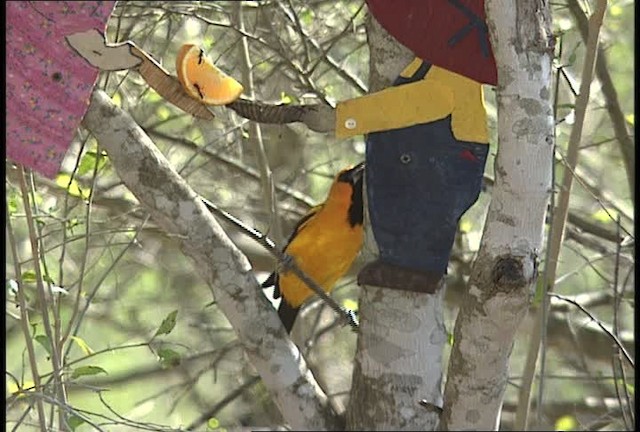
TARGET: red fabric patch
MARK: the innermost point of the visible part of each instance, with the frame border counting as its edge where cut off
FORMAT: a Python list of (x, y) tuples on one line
[(451, 34), (466, 154)]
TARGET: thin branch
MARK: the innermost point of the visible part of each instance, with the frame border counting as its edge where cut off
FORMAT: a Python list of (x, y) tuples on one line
[(24, 321), (627, 148), (104, 276), (56, 362), (616, 361), (613, 337), (85, 255), (255, 137), (353, 80), (235, 165), (223, 403)]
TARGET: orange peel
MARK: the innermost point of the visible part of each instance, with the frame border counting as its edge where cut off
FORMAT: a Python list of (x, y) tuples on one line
[(203, 80)]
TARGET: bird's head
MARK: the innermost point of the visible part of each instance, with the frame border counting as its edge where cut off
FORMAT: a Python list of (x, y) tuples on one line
[(347, 191), (352, 175)]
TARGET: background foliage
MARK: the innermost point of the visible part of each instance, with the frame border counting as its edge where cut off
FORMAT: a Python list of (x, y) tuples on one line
[(150, 349)]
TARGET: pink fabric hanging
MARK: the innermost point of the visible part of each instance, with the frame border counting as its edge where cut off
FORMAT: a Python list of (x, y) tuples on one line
[(48, 84)]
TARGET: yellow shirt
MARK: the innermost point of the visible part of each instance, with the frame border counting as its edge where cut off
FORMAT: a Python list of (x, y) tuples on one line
[(441, 93)]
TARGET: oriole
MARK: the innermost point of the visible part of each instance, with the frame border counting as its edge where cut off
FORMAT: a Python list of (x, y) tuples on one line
[(324, 244)]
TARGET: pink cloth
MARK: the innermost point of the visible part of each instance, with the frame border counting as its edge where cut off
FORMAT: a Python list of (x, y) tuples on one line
[(48, 84)]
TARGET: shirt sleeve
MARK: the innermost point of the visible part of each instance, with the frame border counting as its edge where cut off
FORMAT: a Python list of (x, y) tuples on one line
[(393, 108)]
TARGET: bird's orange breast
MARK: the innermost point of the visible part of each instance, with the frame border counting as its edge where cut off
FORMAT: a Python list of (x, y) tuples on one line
[(324, 249)]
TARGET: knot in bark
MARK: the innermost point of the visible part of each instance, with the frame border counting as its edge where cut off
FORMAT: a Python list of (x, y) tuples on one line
[(508, 273)]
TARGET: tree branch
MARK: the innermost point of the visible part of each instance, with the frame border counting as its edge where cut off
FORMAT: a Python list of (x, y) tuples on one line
[(177, 208)]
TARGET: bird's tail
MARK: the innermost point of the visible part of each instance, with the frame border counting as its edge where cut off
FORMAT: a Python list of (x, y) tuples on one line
[(287, 314)]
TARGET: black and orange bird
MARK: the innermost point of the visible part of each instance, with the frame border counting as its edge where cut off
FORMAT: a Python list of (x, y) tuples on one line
[(324, 244)]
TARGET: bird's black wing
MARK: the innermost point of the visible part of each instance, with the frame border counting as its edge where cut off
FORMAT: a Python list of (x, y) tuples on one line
[(272, 280)]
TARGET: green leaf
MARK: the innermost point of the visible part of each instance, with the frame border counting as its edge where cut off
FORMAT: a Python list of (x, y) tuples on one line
[(12, 203), (152, 96), (29, 276), (89, 160), (285, 98), (87, 370), (615, 10), (117, 100), (168, 357), (213, 423), (163, 112), (45, 342), (605, 215), (74, 421), (350, 304), (71, 185), (537, 298), (630, 118), (87, 163), (207, 43), (86, 349), (573, 55), (565, 423), (307, 17), (465, 226), (167, 324), (631, 389), (72, 223), (450, 338)]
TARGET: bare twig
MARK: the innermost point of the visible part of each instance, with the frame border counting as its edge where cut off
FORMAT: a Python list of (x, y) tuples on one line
[(104, 276), (255, 137), (353, 80), (56, 362), (237, 166), (85, 255), (24, 321), (610, 94), (616, 362), (608, 332), (616, 358), (223, 403)]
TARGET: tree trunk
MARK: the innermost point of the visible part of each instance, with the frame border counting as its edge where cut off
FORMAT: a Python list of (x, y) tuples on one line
[(502, 281), (398, 360)]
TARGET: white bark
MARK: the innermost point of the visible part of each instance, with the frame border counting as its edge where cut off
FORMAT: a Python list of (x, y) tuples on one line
[(504, 273), (398, 361), (176, 208)]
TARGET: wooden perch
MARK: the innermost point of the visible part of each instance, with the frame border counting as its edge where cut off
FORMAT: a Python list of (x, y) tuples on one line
[(318, 118)]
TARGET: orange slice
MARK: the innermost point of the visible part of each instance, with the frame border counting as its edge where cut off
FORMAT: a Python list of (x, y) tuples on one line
[(202, 80)]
